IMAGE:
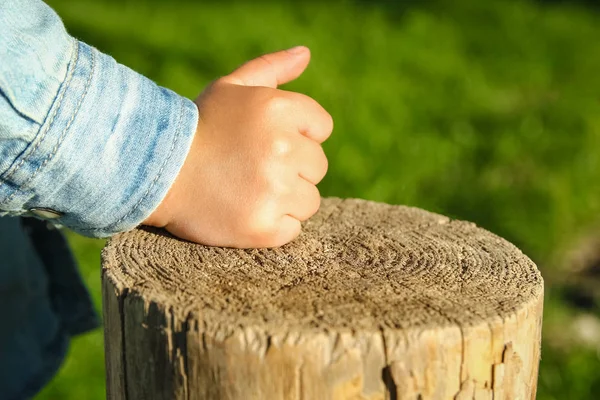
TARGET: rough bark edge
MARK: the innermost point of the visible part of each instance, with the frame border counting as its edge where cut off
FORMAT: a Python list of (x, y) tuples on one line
[(179, 339)]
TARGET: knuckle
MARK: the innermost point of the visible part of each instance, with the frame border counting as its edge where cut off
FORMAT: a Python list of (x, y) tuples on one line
[(325, 166), (223, 80), (293, 234), (325, 126), (328, 122), (271, 184), (321, 164), (280, 146), (315, 201), (258, 223), (323, 158), (311, 203), (275, 106), (323, 121)]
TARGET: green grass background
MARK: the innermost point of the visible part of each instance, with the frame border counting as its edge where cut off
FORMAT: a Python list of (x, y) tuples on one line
[(482, 110)]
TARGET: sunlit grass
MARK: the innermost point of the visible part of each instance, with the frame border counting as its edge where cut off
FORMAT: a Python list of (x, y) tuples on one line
[(486, 111)]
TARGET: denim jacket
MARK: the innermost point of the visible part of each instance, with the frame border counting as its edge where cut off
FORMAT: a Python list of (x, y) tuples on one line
[(85, 142)]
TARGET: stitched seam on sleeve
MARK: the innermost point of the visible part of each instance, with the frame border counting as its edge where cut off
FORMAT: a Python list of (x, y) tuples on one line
[(64, 132), (42, 136), (159, 173)]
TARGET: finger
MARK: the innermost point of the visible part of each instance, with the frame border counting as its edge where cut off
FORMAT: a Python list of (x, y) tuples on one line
[(272, 69), (312, 120), (288, 229), (305, 201), (312, 161)]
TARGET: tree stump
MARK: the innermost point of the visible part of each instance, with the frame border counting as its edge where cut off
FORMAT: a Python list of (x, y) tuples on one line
[(372, 301)]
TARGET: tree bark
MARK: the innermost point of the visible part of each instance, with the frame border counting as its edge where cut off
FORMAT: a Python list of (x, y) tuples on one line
[(372, 301)]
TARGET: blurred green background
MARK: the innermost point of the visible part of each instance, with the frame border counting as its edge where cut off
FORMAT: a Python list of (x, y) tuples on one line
[(482, 110)]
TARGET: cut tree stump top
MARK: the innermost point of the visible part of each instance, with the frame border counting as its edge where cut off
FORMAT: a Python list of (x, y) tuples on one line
[(361, 268), (356, 265)]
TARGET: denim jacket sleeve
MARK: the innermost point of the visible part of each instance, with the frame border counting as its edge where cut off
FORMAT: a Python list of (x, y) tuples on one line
[(79, 133)]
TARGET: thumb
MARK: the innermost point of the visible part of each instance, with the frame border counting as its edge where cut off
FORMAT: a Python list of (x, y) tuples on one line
[(272, 69)]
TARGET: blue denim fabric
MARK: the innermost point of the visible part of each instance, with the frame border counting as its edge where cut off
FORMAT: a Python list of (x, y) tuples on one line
[(43, 302), (80, 133), (89, 138)]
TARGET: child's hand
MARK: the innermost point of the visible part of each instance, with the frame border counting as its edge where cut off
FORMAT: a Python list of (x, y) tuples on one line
[(250, 176)]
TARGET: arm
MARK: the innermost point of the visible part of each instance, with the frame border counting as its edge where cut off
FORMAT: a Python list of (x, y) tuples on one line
[(80, 133), (109, 149)]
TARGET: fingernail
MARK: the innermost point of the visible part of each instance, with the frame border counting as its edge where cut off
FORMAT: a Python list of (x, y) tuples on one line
[(297, 50)]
